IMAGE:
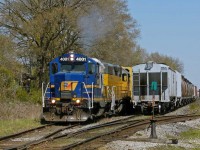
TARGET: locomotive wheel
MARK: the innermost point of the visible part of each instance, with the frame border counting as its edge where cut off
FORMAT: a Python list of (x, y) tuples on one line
[(120, 108), (100, 112), (163, 109), (143, 110)]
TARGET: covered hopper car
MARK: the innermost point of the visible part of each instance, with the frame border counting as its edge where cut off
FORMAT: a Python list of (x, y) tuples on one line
[(159, 86)]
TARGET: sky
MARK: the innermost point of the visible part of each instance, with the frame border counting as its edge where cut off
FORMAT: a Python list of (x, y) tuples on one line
[(170, 27)]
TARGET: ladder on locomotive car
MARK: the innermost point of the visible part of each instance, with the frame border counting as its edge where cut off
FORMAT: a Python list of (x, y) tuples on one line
[(45, 92), (90, 98), (136, 83)]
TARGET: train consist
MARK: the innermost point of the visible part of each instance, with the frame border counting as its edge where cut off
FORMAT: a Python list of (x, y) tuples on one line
[(82, 88)]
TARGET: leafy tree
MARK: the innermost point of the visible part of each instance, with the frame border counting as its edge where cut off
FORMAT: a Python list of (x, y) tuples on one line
[(42, 29), (139, 56), (109, 32), (10, 69), (8, 57), (174, 63)]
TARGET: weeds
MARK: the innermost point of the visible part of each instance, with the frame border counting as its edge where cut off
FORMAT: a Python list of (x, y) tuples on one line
[(13, 126)]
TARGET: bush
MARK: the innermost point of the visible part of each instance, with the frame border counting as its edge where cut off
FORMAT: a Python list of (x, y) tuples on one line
[(8, 85), (34, 96), (12, 91)]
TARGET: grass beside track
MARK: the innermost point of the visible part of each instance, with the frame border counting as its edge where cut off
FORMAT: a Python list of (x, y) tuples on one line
[(168, 147), (8, 127), (190, 134)]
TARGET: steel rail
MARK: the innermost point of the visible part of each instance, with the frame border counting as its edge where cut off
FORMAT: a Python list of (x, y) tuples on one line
[(23, 132), (125, 127), (116, 122), (50, 136), (43, 139)]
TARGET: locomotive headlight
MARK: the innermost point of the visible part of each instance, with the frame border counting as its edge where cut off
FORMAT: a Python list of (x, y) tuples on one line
[(53, 101), (72, 57), (78, 101)]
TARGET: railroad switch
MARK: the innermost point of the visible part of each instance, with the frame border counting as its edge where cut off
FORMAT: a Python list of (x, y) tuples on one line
[(153, 129)]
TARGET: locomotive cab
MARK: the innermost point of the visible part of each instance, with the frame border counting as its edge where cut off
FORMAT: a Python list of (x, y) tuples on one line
[(73, 80)]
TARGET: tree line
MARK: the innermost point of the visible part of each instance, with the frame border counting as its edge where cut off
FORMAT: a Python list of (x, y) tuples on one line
[(33, 32)]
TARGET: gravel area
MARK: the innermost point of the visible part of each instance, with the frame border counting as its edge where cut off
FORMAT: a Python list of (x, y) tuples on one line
[(140, 140), (101, 121)]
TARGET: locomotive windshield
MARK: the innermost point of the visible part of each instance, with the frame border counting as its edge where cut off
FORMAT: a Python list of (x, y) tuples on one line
[(75, 67)]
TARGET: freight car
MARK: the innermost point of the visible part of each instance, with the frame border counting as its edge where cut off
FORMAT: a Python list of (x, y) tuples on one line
[(160, 87), (81, 88)]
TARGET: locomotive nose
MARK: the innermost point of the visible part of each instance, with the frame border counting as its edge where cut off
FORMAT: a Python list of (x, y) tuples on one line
[(68, 85)]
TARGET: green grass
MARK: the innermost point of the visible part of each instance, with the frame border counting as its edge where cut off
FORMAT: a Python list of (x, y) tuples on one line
[(171, 147), (191, 134), (13, 126), (167, 147), (194, 106)]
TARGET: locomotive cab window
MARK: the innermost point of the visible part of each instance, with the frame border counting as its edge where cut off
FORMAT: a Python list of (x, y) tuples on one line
[(124, 77), (54, 68), (91, 68), (73, 67), (97, 68)]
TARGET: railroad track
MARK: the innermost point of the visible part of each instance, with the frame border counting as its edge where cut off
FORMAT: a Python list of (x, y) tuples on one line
[(23, 132), (18, 140), (97, 136), (25, 139), (72, 137)]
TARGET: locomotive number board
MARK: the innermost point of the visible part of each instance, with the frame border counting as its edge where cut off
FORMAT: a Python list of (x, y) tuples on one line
[(73, 59)]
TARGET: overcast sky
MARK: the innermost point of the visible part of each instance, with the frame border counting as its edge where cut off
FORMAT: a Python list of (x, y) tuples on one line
[(171, 27)]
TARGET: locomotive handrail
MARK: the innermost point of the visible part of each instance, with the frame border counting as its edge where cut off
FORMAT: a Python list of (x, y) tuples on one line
[(113, 98), (92, 94), (90, 100), (44, 92)]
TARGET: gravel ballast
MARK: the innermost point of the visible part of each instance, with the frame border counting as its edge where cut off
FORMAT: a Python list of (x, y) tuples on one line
[(141, 141)]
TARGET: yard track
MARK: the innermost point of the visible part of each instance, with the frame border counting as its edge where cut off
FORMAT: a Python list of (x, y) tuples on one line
[(85, 137), (99, 139), (98, 135), (25, 139)]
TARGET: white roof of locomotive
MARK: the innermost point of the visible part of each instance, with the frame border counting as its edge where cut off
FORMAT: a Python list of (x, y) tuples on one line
[(102, 67)]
